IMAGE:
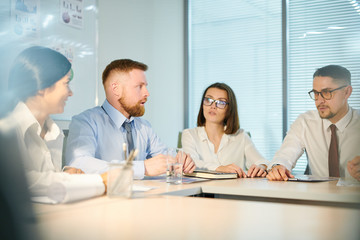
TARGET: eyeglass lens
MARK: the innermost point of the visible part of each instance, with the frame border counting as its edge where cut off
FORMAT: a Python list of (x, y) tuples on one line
[(218, 103), (324, 94)]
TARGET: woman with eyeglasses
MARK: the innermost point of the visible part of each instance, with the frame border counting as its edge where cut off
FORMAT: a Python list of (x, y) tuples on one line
[(39, 85), (218, 143)]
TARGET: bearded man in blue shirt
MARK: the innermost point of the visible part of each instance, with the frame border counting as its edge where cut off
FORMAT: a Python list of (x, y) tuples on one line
[(96, 136)]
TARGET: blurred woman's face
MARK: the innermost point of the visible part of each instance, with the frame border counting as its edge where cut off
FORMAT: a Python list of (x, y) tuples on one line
[(213, 113), (56, 95)]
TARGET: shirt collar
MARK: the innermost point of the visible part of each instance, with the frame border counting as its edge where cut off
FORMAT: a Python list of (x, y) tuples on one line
[(116, 116), (342, 123), (25, 120), (53, 130), (203, 136)]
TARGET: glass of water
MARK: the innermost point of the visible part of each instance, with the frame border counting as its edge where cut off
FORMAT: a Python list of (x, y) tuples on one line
[(174, 171)]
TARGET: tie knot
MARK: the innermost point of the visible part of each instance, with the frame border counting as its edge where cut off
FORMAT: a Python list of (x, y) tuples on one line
[(127, 126), (333, 128)]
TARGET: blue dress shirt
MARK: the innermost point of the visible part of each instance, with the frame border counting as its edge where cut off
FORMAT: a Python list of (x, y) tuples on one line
[(96, 137)]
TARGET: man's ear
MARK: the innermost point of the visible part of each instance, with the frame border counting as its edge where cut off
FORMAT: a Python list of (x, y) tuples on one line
[(348, 91), (116, 88)]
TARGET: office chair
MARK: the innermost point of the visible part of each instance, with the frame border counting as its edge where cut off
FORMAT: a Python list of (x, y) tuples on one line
[(16, 213), (66, 134)]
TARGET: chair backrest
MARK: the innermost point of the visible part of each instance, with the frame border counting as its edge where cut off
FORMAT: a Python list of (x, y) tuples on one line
[(179, 144), (16, 212), (307, 169), (66, 134)]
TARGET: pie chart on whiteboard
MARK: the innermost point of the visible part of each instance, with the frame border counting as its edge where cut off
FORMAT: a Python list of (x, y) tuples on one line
[(66, 17)]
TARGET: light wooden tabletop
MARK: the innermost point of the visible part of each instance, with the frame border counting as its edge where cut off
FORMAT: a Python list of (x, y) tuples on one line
[(320, 192), (171, 217), (166, 213)]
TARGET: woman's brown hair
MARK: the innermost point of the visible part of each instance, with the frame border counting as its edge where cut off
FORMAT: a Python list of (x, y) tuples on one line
[(231, 120)]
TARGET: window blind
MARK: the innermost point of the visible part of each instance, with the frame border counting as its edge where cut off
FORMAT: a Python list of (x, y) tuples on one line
[(239, 43), (320, 33)]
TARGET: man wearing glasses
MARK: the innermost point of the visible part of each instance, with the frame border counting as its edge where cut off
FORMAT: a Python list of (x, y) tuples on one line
[(330, 136)]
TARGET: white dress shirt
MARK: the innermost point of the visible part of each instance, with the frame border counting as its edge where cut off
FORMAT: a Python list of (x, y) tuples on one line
[(42, 157), (312, 134), (234, 148)]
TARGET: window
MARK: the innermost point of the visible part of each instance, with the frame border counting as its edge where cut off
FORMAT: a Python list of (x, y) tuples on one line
[(320, 33), (240, 43)]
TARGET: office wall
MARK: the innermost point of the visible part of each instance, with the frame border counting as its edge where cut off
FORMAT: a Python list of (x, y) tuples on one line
[(68, 26), (150, 31)]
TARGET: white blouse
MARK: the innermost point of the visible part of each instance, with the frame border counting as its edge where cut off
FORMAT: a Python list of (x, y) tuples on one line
[(43, 157), (234, 148)]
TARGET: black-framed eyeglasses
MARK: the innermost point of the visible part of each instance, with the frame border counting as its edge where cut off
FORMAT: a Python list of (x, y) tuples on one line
[(325, 94), (218, 103)]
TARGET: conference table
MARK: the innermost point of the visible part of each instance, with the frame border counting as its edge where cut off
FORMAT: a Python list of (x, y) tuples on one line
[(217, 209)]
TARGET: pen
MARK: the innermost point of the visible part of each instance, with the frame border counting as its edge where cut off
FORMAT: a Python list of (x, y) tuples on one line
[(124, 149), (132, 156)]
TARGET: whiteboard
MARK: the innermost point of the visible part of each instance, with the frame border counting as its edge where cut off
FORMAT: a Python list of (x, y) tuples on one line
[(68, 26)]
